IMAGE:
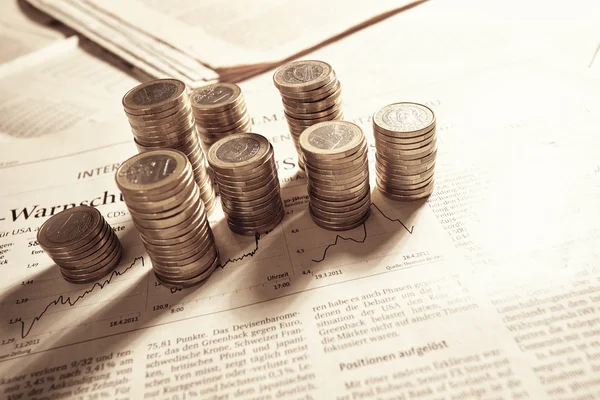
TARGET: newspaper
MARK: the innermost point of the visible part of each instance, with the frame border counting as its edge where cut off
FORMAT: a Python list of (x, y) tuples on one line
[(200, 42), (490, 289), (23, 30), (64, 87)]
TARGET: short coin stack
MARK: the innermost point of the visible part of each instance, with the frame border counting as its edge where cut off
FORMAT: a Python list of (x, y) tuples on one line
[(160, 116), (165, 205), (337, 168), (405, 141), (245, 172), (219, 111), (310, 93), (81, 243)]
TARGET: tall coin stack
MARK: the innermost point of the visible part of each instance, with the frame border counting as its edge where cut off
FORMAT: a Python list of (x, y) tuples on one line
[(81, 243), (219, 111), (165, 205), (160, 116), (405, 142), (311, 94), (245, 172), (337, 169)]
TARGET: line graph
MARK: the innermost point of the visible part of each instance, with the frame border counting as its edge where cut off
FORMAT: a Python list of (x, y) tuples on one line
[(67, 300), (365, 234), (240, 258), (232, 260)]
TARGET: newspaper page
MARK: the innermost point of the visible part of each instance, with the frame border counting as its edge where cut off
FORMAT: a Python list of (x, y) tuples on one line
[(23, 30), (71, 85), (200, 42), (487, 290)]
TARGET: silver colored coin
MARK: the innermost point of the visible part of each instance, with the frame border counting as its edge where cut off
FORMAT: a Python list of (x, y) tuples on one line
[(151, 172), (331, 140), (154, 96), (251, 205), (394, 152), (339, 208), (256, 212), (409, 192), (413, 159), (422, 195), (404, 119), (313, 106), (70, 228), (168, 208), (341, 170), (171, 221), (160, 206), (334, 191), (337, 226), (216, 97), (314, 95), (403, 175), (83, 262), (408, 169), (395, 185), (259, 229), (156, 116), (316, 114), (187, 267), (339, 196), (382, 136), (179, 117), (99, 261), (105, 269), (198, 279), (239, 152), (302, 76), (94, 245)]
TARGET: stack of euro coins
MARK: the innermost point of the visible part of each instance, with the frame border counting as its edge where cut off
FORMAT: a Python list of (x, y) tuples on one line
[(81, 243), (165, 205), (406, 149), (219, 110), (245, 172), (310, 93), (160, 116), (337, 170)]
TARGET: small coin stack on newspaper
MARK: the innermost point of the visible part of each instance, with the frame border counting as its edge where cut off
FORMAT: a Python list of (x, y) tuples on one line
[(405, 141), (310, 93), (219, 110), (245, 172), (81, 243), (160, 116), (165, 205), (337, 168)]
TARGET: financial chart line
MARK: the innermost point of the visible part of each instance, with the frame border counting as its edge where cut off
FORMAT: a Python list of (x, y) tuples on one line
[(233, 260), (240, 258), (67, 300), (365, 234)]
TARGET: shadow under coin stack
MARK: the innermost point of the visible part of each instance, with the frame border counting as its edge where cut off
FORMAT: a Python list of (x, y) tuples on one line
[(311, 94), (81, 243), (160, 116), (245, 172), (405, 141), (165, 205), (337, 169), (219, 111)]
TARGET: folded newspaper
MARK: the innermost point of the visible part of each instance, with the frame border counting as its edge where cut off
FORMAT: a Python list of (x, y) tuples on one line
[(202, 42)]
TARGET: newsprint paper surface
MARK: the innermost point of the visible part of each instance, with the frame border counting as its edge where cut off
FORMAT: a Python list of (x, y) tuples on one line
[(490, 289)]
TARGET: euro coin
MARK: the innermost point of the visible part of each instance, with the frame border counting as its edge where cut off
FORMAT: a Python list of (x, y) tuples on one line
[(81, 243), (167, 208)]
